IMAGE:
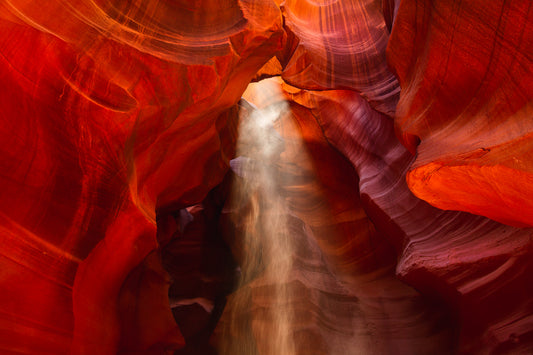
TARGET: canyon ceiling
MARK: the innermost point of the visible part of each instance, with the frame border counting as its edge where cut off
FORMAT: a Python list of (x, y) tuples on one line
[(266, 177)]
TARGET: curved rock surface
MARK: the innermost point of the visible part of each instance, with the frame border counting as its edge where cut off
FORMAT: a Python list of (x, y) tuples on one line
[(341, 293), (351, 222), (105, 105), (433, 246), (465, 72), (339, 45)]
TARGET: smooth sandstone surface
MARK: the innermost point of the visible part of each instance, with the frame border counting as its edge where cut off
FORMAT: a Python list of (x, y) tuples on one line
[(465, 73), (140, 215)]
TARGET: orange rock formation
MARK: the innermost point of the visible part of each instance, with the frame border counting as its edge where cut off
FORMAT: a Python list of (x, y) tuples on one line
[(403, 162)]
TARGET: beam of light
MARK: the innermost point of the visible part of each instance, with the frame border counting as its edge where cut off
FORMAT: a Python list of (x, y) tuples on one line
[(267, 249)]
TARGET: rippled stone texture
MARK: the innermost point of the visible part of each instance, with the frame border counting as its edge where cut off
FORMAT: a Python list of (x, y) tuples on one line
[(342, 295), (119, 116), (111, 111), (480, 268), (467, 88), (339, 45)]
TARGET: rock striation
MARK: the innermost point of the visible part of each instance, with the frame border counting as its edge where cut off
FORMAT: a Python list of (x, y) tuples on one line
[(160, 195)]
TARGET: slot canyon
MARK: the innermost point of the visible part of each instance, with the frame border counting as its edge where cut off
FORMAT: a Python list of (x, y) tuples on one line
[(266, 177)]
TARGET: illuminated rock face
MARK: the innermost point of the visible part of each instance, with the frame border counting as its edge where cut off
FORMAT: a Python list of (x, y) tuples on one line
[(405, 166), (467, 99)]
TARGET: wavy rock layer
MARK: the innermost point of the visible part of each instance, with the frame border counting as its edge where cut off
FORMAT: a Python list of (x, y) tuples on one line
[(433, 246), (467, 98), (339, 45), (119, 117), (105, 106), (340, 289)]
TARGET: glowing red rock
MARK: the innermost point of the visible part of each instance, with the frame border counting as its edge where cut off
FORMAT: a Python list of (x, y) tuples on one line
[(341, 282), (474, 264), (340, 45), (105, 107), (118, 114), (466, 78)]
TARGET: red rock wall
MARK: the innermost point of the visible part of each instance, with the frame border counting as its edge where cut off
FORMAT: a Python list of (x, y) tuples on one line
[(411, 215), (465, 72)]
